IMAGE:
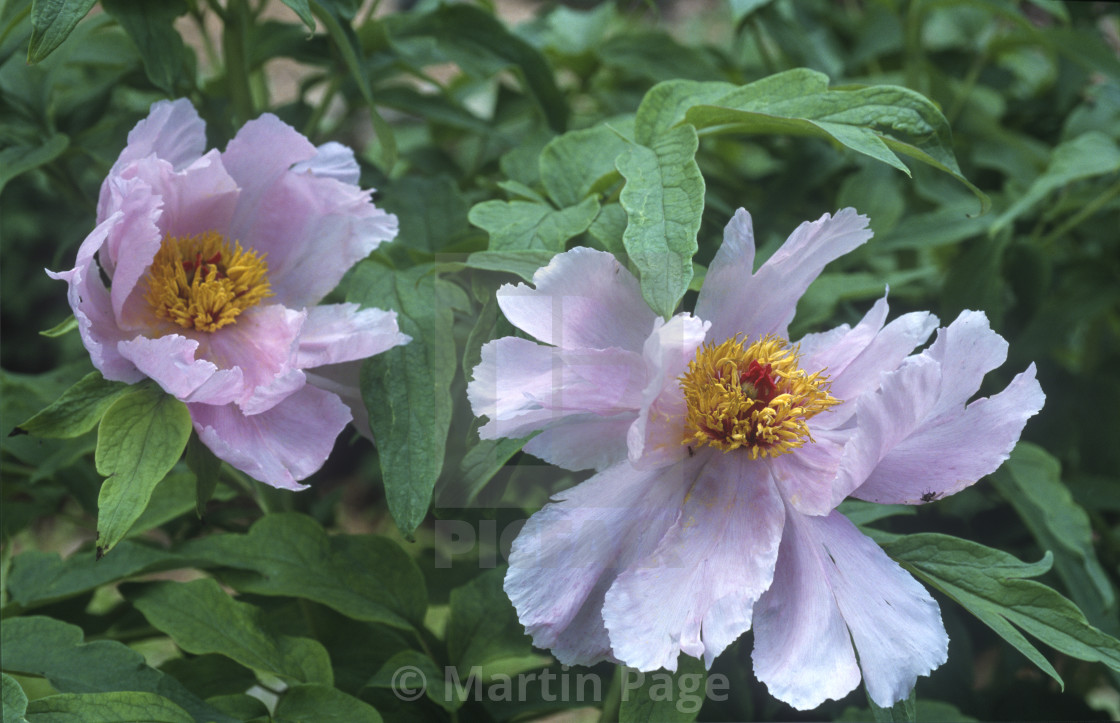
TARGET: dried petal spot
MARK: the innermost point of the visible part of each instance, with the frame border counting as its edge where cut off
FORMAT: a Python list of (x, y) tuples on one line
[(204, 282), (753, 397)]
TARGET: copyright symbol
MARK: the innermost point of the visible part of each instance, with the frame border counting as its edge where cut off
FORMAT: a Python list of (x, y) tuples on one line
[(409, 683)]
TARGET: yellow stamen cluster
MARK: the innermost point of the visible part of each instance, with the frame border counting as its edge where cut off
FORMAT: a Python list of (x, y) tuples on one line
[(753, 397), (203, 282)]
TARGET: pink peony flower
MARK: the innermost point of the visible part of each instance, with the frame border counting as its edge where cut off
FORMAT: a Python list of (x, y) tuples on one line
[(721, 453), (215, 265)]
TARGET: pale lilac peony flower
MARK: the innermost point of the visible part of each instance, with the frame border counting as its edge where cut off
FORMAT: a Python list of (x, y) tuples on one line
[(722, 452), (215, 263)]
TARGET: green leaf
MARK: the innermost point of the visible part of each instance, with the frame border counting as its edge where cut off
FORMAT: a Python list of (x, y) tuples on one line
[(483, 630), (78, 410), (407, 389), (62, 328), (664, 200), (207, 469), (665, 105), (365, 577), (901, 712), (662, 696), (52, 21), (54, 650), (522, 262), (1031, 481), (1086, 156), (989, 584), (201, 619), (19, 159), (14, 700), (432, 212), (151, 26), (519, 225), (139, 440), (479, 465), (411, 675), (579, 163), (303, 10), (116, 706), (324, 705)]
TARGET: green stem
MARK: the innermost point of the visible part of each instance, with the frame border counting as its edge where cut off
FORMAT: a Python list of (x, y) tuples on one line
[(235, 40), (913, 44), (1086, 211), (612, 703), (311, 128)]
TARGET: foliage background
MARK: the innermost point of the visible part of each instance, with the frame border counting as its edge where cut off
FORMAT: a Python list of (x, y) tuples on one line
[(451, 109)]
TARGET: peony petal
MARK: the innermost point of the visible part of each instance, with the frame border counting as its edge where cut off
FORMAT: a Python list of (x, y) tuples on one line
[(171, 361), (344, 380), (336, 333), (568, 554), (583, 298), (292, 216), (201, 197), (263, 344), (732, 267), (806, 476), (967, 350), (172, 131), (943, 456), (523, 386), (278, 447), (93, 308), (584, 441), (764, 303), (657, 437), (332, 160), (802, 649), (695, 592), (129, 249)]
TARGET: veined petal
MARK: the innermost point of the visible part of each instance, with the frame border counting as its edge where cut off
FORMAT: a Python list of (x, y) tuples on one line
[(171, 361), (583, 298), (695, 592), (336, 333), (523, 386), (583, 441), (278, 446), (806, 476), (764, 302), (657, 435), (570, 552), (199, 198)]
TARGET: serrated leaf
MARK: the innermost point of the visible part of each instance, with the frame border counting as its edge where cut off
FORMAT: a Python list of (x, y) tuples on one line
[(519, 225), (151, 26), (49, 648), (14, 700), (662, 696), (116, 706), (139, 440), (201, 619), (365, 577), (52, 21), (407, 389), (324, 705), (664, 200), (574, 165), (15, 160), (78, 410), (990, 585)]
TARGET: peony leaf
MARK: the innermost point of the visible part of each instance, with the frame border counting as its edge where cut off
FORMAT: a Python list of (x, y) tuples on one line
[(201, 619), (364, 577), (303, 10), (576, 164), (990, 584), (139, 440), (17, 159), (664, 200), (323, 704), (78, 410), (901, 712), (14, 700), (483, 632), (519, 225), (664, 697), (117, 706), (52, 21), (51, 649), (151, 26)]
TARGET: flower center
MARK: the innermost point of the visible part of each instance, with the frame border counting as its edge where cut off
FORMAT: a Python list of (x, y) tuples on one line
[(203, 282), (755, 397)]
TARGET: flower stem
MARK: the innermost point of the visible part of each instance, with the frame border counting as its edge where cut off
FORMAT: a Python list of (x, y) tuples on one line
[(235, 39)]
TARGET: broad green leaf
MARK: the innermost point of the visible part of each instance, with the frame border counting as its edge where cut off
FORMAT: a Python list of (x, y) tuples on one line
[(207, 469), (78, 410), (864, 513), (576, 164), (139, 440), (116, 706), (322, 704), (210, 675), (39, 578), (989, 583), (483, 630), (518, 225), (49, 648), (479, 465), (412, 675), (151, 26), (432, 212), (52, 21), (201, 619), (664, 200), (1031, 481), (18, 159), (14, 700), (407, 388), (303, 10), (174, 496), (904, 711), (522, 262), (924, 710), (1086, 156), (21, 397), (609, 228), (665, 105), (365, 577), (664, 697)]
